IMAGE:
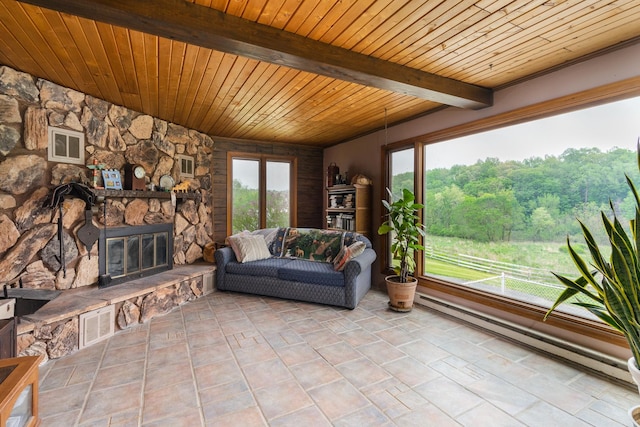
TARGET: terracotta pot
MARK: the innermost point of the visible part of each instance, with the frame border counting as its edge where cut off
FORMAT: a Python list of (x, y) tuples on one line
[(401, 294)]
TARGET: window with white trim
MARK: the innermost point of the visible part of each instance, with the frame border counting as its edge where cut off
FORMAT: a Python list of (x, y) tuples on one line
[(65, 146), (186, 165)]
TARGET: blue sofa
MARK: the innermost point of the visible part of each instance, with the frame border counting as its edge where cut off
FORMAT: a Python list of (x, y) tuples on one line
[(285, 276)]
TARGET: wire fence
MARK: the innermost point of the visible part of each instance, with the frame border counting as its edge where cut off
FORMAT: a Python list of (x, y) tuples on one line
[(523, 283)]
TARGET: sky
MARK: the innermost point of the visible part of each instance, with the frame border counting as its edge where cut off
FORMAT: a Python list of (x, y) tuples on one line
[(246, 171), (616, 124)]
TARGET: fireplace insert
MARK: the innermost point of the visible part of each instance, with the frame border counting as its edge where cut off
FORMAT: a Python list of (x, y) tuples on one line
[(131, 252)]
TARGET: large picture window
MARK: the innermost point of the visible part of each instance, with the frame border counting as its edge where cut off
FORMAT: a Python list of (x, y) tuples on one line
[(500, 204), (260, 192)]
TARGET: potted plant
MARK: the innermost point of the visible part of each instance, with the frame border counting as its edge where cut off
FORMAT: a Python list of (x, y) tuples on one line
[(611, 287), (403, 222)]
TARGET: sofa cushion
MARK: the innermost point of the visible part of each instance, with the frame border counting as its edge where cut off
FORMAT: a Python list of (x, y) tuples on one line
[(265, 267), (318, 273)]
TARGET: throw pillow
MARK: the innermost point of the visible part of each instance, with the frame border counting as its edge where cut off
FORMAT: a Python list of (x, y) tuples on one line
[(249, 247), (231, 240), (347, 253)]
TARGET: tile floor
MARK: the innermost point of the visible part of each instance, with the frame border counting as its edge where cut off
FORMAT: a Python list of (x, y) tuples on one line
[(241, 360)]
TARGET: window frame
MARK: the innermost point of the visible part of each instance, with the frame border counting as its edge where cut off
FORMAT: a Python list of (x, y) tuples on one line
[(262, 189), (189, 159), (578, 330), (52, 131)]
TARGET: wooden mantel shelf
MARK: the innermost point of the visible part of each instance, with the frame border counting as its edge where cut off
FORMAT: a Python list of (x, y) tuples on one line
[(146, 194)]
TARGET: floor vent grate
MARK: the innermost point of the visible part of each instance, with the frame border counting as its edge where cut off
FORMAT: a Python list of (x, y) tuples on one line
[(96, 326)]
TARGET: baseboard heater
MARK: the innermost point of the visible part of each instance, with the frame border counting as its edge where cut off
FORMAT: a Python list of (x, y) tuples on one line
[(593, 360)]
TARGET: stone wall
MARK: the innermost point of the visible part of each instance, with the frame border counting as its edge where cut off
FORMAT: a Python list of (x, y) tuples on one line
[(114, 136)]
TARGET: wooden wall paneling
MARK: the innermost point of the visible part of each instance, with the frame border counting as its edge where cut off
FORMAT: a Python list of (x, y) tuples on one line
[(216, 93), (306, 19), (199, 82), (467, 42), (232, 69), (434, 17), (176, 60), (87, 56), (356, 38), (13, 51), (33, 45), (208, 88), (55, 35), (256, 78), (190, 73), (146, 56), (436, 32), (267, 99), (337, 19), (129, 82), (550, 48), (108, 41), (164, 60), (219, 195), (524, 36), (251, 11), (109, 89), (283, 16)]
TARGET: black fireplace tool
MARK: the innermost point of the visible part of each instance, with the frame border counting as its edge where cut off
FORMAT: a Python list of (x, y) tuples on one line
[(88, 233)]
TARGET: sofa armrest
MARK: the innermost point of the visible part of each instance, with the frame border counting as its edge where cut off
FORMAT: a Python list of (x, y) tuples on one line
[(361, 262), (357, 277), (223, 256)]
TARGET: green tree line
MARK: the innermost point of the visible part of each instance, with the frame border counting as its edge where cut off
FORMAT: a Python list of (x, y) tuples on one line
[(538, 199), (246, 208)]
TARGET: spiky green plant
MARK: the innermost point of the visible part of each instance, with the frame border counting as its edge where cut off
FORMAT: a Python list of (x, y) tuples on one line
[(612, 287), (403, 221)]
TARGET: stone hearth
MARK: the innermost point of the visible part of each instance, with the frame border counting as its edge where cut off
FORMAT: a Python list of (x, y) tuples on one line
[(53, 330)]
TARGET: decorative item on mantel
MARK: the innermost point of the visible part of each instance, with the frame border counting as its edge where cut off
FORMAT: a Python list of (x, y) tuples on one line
[(183, 187), (111, 179), (96, 168)]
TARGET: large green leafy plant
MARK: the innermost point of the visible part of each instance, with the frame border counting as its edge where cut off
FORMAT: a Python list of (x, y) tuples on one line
[(612, 287), (403, 221)]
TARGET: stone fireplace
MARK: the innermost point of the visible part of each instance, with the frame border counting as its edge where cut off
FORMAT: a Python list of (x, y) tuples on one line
[(151, 231)]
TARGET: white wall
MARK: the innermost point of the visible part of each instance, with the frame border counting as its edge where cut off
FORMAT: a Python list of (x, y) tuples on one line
[(362, 155)]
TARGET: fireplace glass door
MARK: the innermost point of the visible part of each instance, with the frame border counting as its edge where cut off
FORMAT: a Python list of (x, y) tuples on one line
[(132, 252)]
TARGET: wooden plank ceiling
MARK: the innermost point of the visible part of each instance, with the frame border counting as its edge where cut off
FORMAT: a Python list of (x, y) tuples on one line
[(164, 60)]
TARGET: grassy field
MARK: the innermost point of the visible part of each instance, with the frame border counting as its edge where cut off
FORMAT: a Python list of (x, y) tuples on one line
[(551, 256), (541, 255)]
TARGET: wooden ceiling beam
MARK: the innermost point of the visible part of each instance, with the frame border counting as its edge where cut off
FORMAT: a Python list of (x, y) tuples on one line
[(206, 27)]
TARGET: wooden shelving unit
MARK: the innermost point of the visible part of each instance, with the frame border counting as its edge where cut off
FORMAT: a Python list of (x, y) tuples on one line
[(349, 208)]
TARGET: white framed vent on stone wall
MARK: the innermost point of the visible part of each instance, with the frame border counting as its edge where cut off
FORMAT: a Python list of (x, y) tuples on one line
[(186, 165), (66, 146), (96, 326)]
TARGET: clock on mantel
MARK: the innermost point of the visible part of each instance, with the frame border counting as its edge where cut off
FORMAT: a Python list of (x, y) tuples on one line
[(134, 177)]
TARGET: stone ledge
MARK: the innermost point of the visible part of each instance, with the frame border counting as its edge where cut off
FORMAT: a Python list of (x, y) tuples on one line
[(73, 302)]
